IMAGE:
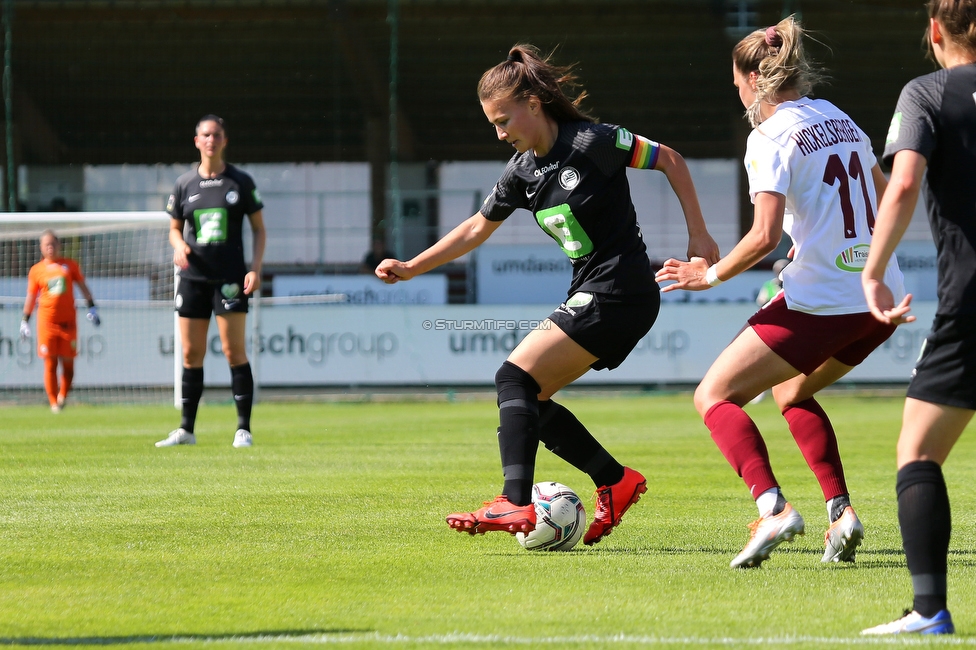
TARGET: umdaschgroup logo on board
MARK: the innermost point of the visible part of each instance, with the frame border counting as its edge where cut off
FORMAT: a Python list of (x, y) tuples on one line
[(316, 348), (532, 265), (430, 289), (522, 274)]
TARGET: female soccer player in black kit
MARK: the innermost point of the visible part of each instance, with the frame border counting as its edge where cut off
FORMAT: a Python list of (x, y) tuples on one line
[(208, 207), (570, 173), (932, 144)]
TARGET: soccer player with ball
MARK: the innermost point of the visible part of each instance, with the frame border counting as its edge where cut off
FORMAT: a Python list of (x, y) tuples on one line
[(812, 174), (932, 145), (570, 173), (208, 207), (50, 285)]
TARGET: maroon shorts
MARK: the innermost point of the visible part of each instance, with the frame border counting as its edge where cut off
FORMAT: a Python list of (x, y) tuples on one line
[(806, 341)]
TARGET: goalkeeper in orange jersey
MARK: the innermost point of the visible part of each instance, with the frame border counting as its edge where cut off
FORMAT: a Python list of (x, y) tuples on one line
[(54, 279)]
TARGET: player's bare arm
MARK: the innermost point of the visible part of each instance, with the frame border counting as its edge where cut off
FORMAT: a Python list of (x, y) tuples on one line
[(180, 248), (259, 237), (894, 214), (463, 239), (674, 167)]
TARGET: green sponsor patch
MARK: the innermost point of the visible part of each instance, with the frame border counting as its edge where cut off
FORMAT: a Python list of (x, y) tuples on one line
[(211, 225), (579, 299), (560, 223), (894, 128), (624, 139), (56, 286), (852, 259), (229, 290)]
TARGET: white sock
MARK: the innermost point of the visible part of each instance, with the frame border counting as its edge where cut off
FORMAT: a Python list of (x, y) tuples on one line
[(767, 501)]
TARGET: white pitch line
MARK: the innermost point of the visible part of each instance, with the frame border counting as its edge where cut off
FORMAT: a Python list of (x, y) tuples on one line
[(462, 638)]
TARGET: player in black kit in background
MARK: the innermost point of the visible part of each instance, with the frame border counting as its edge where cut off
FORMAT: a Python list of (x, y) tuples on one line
[(932, 145), (208, 207), (570, 173)]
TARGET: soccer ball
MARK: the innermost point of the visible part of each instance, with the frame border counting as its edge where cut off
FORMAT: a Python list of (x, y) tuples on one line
[(560, 519)]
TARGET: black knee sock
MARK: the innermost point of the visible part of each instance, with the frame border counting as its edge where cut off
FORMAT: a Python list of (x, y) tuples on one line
[(925, 521), (192, 392), (518, 430), (566, 437), (242, 383)]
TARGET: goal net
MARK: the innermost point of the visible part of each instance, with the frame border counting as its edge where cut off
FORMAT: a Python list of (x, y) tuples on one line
[(127, 263)]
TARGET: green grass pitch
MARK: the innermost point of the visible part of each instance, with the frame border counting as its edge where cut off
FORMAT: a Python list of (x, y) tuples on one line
[(330, 531)]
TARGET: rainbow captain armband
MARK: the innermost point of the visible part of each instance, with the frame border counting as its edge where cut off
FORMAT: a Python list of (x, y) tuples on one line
[(644, 152)]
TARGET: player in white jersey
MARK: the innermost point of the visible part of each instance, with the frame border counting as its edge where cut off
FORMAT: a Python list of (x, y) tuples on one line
[(812, 174), (813, 154)]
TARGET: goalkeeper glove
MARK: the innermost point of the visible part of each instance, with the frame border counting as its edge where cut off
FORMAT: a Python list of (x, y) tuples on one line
[(25, 332), (93, 316)]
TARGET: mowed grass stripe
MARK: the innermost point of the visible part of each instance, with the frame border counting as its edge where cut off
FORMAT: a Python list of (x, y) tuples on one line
[(331, 529)]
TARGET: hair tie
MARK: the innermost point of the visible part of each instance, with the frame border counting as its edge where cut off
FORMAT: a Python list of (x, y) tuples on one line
[(514, 56), (772, 38)]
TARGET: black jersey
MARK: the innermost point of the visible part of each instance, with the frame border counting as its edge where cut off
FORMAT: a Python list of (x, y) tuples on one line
[(213, 212), (580, 197), (936, 117)]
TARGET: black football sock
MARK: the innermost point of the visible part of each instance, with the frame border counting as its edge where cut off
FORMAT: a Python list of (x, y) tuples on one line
[(518, 430), (926, 524), (564, 435), (242, 383), (192, 392)]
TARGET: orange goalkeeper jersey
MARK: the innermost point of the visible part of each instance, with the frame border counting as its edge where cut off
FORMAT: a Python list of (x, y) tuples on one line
[(54, 281)]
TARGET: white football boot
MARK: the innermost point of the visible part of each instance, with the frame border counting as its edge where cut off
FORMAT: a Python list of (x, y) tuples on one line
[(243, 438), (915, 623), (768, 532), (843, 537), (178, 437)]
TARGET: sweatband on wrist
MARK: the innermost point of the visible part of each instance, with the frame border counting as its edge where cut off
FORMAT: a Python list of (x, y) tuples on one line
[(27, 318), (711, 277)]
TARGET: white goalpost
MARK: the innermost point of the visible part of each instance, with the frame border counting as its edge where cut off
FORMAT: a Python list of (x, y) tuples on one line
[(127, 261), (135, 354)]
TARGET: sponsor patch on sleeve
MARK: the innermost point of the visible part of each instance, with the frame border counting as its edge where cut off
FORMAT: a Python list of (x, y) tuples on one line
[(894, 128)]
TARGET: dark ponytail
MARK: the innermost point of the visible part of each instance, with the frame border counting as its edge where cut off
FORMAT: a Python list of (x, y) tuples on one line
[(526, 73)]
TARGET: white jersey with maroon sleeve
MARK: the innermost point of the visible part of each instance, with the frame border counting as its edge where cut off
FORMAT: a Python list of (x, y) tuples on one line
[(820, 160)]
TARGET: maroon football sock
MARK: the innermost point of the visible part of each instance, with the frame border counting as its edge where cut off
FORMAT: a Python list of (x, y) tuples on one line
[(740, 442), (815, 437)]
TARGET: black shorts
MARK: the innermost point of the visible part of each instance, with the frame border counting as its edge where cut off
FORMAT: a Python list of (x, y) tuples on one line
[(200, 298), (945, 372), (608, 327)]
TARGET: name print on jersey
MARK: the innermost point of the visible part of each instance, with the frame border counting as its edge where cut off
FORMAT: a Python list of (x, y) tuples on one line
[(825, 134)]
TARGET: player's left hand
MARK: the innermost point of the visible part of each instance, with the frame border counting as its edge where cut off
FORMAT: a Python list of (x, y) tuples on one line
[(93, 316), (25, 332), (881, 302), (688, 275), (252, 282)]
